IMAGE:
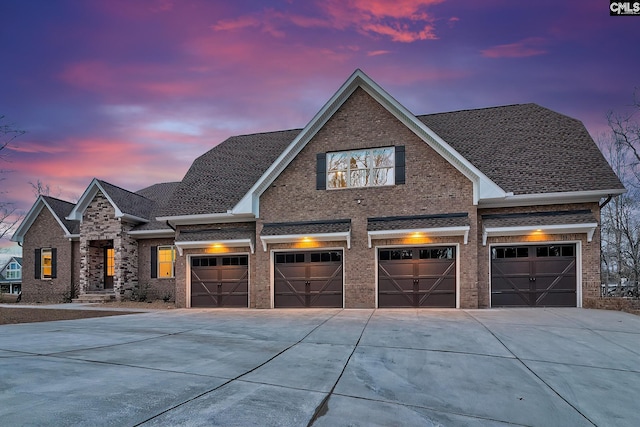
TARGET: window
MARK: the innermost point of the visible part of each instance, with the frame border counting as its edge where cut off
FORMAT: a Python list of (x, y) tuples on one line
[(507, 252), (166, 261), (46, 263), (289, 258), (111, 262), (361, 168), (13, 271)]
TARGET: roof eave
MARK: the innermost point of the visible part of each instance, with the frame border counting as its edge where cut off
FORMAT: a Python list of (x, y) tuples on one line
[(214, 218), (511, 200), (132, 218), (151, 234)]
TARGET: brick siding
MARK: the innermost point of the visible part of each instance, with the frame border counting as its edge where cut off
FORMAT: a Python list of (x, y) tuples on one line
[(433, 186), (47, 233)]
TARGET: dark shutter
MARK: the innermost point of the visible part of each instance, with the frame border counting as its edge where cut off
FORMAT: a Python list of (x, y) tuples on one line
[(400, 172), (38, 259), (154, 262), (321, 171), (54, 263)]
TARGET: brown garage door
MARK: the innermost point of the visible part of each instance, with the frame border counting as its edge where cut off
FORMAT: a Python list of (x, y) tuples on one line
[(308, 279), (220, 281), (417, 277), (533, 276)]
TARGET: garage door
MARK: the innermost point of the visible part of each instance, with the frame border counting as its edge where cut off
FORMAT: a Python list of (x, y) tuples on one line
[(308, 279), (417, 277), (533, 276), (221, 281)]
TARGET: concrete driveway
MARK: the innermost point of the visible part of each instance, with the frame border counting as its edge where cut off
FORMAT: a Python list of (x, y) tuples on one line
[(538, 367)]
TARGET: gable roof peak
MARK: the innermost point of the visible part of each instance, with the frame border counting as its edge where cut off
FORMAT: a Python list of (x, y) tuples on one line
[(483, 186), (126, 204), (58, 208)]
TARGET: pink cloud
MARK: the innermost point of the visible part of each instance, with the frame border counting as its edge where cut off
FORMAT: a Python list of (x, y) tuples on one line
[(522, 49), (236, 24), (401, 33), (399, 9), (402, 21), (378, 52)]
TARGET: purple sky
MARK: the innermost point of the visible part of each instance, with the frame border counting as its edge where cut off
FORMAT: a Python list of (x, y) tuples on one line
[(132, 91)]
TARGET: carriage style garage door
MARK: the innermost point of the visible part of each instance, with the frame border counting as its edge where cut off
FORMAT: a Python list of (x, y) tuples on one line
[(533, 276), (417, 277), (308, 279), (220, 281)]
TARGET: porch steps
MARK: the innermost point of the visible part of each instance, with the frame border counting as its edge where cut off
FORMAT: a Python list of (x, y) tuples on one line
[(95, 297)]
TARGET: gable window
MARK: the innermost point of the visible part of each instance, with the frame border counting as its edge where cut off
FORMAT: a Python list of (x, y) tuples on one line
[(166, 261), (361, 168), (13, 271)]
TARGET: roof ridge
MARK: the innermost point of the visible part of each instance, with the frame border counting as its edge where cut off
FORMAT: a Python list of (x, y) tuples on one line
[(123, 189), (56, 198), (480, 109), (266, 133)]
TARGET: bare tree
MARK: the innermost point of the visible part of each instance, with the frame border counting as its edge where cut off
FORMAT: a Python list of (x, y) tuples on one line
[(9, 216), (620, 219), (40, 188)]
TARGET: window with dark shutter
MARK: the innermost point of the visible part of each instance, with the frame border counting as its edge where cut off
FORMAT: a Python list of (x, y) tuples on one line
[(38, 264), (54, 263), (321, 171), (154, 262), (400, 162)]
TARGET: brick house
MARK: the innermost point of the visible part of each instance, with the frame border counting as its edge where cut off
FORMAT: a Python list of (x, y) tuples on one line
[(367, 206), (11, 276)]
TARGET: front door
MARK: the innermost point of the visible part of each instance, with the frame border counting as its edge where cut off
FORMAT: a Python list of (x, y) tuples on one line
[(109, 267)]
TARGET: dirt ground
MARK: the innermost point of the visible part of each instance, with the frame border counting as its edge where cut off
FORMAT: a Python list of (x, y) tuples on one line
[(29, 314)]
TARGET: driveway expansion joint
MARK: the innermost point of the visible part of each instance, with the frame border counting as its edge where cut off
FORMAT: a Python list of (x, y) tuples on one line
[(322, 407), (536, 374), (239, 376)]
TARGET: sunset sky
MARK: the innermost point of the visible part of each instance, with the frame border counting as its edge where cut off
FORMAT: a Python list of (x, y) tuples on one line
[(132, 91)]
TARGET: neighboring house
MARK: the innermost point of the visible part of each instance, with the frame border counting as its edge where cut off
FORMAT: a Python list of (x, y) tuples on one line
[(11, 276), (367, 206)]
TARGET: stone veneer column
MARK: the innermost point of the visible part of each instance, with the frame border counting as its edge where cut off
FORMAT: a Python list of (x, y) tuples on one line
[(126, 260)]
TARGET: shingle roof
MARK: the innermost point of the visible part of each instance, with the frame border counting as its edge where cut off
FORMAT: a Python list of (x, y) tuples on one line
[(128, 202), (526, 149), (306, 227), (159, 194), (539, 219), (218, 179), (61, 209), (418, 222)]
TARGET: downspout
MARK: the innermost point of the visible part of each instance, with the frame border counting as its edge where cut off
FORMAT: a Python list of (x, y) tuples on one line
[(606, 202)]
